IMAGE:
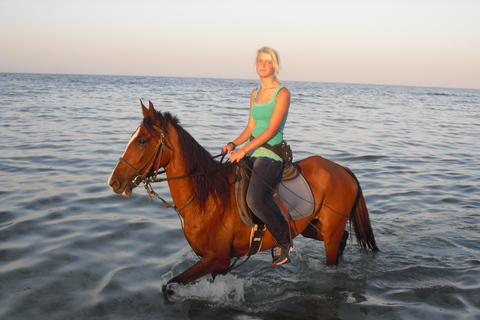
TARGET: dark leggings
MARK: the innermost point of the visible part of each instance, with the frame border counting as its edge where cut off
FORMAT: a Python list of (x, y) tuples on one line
[(265, 177)]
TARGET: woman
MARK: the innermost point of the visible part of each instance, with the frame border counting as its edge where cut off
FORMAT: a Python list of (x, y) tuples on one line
[(269, 105)]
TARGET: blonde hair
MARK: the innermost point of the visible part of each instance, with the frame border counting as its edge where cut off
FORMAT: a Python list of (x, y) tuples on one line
[(273, 55)]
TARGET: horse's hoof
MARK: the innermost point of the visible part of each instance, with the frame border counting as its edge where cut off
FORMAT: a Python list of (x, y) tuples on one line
[(166, 299), (170, 288)]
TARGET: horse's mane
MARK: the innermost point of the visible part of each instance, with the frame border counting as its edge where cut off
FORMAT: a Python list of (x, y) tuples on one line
[(214, 180)]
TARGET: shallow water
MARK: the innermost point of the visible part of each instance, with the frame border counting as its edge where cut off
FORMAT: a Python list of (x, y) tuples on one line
[(72, 249)]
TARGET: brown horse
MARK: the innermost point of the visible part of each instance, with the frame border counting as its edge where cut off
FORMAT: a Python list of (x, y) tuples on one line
[(203, 193)]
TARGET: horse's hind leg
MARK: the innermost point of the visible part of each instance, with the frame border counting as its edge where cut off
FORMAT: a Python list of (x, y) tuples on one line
[(334, 243), (343, 243)]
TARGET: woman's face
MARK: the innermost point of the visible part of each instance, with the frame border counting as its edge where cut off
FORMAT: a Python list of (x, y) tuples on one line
[(265, 65)]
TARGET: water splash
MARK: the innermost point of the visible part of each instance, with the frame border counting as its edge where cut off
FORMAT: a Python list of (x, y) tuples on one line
[(225, 290)]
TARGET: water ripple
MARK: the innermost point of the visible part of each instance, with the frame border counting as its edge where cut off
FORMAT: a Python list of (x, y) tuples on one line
[(71, 249)]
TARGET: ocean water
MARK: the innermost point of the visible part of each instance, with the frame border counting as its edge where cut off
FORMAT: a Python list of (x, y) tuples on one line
[(72, 249)]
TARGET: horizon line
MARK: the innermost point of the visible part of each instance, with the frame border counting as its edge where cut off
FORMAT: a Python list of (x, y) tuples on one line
[(249, 79)]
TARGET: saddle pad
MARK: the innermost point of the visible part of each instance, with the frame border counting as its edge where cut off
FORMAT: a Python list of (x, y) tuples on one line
[(295, 195)]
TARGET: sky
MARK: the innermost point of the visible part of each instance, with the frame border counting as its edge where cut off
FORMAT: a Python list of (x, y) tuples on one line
[(434, 43)]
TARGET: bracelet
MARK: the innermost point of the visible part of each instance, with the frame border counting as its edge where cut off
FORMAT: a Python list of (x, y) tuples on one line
[(244, 150), (234, 145)]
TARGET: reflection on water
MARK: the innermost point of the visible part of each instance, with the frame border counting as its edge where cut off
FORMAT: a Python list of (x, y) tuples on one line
[(71, 249)]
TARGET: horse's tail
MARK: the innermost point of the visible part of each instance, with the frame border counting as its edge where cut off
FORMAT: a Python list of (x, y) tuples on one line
[(360, 220)]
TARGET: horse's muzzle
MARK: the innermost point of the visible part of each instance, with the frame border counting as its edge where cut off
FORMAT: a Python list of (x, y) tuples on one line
[(120, 188)]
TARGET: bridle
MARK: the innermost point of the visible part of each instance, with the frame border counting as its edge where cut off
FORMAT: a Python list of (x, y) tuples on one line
[(157, 153), (147, 180)]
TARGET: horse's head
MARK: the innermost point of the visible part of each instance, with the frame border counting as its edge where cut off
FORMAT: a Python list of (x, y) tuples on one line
[(144, 156)]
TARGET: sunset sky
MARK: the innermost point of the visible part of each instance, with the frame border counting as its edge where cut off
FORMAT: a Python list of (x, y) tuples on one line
[(433, 43)]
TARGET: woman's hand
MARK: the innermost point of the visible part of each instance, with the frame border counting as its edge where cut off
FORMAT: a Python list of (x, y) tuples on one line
[(237, 155), (228, 148)]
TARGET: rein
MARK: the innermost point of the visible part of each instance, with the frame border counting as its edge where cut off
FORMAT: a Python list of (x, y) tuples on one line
[(150, 190)]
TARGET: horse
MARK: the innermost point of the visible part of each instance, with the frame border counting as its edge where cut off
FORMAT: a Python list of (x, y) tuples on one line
[(203, 194)]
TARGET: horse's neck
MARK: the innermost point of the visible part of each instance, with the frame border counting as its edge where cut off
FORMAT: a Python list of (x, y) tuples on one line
[(180, 189)]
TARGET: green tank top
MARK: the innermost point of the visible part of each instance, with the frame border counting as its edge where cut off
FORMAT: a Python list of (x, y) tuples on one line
[(261, 113)]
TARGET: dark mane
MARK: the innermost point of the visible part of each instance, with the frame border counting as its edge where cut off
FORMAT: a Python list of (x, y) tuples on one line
[(213, 181)]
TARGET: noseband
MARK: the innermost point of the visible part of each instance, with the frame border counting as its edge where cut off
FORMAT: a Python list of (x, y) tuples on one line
[(139, 177)]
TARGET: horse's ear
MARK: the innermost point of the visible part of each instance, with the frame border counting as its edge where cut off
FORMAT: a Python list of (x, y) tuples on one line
[(144, 109), (151, 109), (154, 114)]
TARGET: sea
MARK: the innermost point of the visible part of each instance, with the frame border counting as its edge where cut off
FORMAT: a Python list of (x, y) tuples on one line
[(72, 249)]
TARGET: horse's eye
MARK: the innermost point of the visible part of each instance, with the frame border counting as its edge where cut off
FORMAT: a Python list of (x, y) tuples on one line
[(142, 141)]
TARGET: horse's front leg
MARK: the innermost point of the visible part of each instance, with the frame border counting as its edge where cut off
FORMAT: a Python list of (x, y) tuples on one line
[(213, 264)]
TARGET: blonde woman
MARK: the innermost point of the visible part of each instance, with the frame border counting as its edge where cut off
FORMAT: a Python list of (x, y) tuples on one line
[(269, 104)]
